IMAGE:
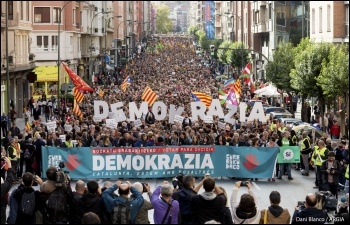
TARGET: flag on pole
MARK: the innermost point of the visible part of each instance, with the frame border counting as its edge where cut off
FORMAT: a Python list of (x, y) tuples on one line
[(198, 96), (77, 110), (231, 98), (126, 83), (252, 82), (77, 81), (78, 95), (228, 83), (237, 88), (149, 96), (246, 73)]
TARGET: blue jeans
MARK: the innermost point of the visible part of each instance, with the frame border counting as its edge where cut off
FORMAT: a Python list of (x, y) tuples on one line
[(282, 166)]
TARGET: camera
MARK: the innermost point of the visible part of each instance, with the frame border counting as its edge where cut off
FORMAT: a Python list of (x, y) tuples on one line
[(61, 176), (244, 184), (144, 187), (301, 203)]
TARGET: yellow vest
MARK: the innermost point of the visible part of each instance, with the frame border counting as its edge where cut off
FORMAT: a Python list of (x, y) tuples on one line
[(69, 144), (11, 148), (282, 129), (302, 145), (317, 155), (272, 127), (347, 172)]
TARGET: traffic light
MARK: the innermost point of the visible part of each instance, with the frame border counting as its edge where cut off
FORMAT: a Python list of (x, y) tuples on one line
[(212, 49)]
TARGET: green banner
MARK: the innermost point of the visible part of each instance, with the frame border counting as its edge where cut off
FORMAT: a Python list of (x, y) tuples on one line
[(289, 154), (159, 162)]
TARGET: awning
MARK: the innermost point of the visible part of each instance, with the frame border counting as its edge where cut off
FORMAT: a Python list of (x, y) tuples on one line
[(46, 73)]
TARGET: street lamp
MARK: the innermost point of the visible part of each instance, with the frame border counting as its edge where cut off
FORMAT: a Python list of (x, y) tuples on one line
[(7, 69), (116, 55), (107, 22)]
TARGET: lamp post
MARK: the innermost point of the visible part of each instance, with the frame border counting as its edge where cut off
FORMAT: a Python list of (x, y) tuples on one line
[(7, 69), (116, 55), (107, 22), (59, 53)]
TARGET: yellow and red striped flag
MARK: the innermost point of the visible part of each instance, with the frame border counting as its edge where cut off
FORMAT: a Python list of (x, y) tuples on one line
[(101, 93), (237, 87), (198, 96), (149, 96), (78, 95), (126, 83), (77, 110)]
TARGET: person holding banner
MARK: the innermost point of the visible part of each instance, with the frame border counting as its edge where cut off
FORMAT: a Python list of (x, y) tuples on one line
[(285, 141)]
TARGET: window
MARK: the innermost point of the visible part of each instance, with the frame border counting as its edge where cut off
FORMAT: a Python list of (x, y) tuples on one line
[(70, 43), (42, 43), (10, 10), (280, 19), (270, 11), (81, 18), (56, 14), (21, 10), (27, 6), (257, 17), (54, 43), (246, 19), (320, 20), (74, 17), (313, 19), (42, 15), (347, 20), (328, 18), (279, 39)]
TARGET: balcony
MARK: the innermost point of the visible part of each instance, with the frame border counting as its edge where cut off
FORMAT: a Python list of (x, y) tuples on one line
[(261, 27), (217, 24), (261, 4)]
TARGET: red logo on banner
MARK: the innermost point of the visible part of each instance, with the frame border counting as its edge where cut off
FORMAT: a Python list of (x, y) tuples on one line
[(251, 162), (73, 162)]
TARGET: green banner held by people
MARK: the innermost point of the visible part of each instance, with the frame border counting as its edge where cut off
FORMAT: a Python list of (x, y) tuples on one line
[(289, 154), (159, 162)]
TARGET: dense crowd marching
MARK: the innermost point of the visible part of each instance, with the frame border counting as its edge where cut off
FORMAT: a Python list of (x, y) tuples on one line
[(173, 71)]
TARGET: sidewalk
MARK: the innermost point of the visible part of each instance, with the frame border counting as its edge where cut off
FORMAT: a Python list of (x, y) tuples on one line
[(21, 124)]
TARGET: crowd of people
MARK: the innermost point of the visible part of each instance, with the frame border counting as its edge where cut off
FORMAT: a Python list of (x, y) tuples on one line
[(171, 68)]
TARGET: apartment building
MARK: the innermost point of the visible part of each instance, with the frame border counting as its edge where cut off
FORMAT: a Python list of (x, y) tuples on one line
[(329, 21), (18, 15)]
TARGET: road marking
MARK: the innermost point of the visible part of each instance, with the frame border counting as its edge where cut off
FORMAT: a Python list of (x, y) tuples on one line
[(256, 186)]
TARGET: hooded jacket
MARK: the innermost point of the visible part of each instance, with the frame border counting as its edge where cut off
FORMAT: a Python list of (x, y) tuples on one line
[(92, 203), (207, 206), (235, 213), (275, 215)]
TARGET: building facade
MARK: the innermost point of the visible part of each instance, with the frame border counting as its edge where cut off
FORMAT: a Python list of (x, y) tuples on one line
[(329, 21), (18, 16)]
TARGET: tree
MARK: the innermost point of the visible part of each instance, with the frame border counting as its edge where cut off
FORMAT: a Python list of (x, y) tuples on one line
[(163, 22), (200, 34), (205, 43), (221, 53), (334, 77), (278, 71), (237, 55), (192, 29), (308, 66)]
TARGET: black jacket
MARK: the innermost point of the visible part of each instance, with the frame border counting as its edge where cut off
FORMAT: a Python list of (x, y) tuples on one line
[(149, 119), (183, 197), (92, 203), (337, 170), (5, 188), (205, 210), (317, 216), (123, 143)]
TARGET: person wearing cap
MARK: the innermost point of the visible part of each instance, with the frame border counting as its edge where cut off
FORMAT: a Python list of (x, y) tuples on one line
[(330, 170)]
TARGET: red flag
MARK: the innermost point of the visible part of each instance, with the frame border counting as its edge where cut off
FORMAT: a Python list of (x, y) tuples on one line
[(252, 87), (246, 73), (77, 81)]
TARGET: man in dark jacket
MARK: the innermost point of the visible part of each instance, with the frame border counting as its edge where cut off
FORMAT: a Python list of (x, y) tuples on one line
[(5, 188), (150, 119), (330, 174), (15, 131), (126, 141), (208, 205), (183, 196), (26, 187), (309, 214), (92, 202)]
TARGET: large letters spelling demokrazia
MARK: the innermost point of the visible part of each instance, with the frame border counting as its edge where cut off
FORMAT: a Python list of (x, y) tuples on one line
[(198, 110)]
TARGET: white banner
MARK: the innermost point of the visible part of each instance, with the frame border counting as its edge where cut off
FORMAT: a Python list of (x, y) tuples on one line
[(222, 125), (63, 137), (97, 118), (178, 118), (138, 122), (68, 127), (110, 123), (208, 119), (51, 125), (111, 115)]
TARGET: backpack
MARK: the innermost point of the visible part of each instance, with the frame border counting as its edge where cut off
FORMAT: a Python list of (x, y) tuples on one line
[(56, 206), (121, 213), (27, 206)]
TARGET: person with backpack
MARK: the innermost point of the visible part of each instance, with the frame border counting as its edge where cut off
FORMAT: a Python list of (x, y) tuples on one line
[(142, 215), (5, 187), (92, 202), (275, 214), (122, 208), (28, 200)]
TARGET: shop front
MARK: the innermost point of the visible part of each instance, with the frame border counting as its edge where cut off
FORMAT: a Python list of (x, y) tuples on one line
[(46, 83)]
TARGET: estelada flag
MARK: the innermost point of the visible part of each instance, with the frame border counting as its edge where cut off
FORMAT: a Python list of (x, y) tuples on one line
[(149, 96), (78, 95), (77, 81)]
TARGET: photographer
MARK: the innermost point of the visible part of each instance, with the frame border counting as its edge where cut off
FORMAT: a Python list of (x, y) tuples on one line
[(6, 186), (56, 189), (330, 174), (309, 213), (142, 215), (244, 212)]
